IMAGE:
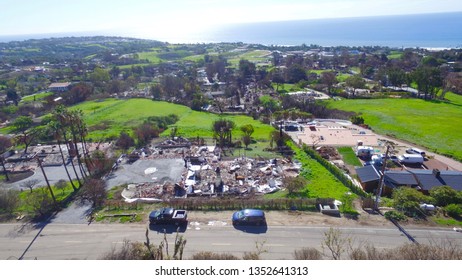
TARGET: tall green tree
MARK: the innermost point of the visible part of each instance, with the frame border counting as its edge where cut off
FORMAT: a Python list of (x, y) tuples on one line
[(222, 132), (296, 73), (61, 115), (355, 82), (54, 128), (428, 80)]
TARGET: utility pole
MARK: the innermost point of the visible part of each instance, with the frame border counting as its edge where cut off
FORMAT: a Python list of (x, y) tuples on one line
[(382, 177)]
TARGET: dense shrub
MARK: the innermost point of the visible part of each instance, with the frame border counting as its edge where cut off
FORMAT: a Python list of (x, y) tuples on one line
[(453, 210), (9, 200), (395, 215), (307, 254), (445, 195), (408, 200)]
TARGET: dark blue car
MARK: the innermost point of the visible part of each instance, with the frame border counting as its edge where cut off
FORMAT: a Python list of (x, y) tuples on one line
[(249, 217)]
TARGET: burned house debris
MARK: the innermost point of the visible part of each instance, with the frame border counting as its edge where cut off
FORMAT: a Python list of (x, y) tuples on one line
[(206, 173)]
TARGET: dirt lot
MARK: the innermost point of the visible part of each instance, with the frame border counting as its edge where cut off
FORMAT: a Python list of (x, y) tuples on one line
[(302, 218)]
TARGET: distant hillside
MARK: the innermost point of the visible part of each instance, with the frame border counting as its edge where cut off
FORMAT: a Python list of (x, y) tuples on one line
[(70, 48)]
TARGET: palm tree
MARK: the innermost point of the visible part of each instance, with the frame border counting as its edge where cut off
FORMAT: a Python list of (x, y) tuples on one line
[(54, 128), (60, 116)]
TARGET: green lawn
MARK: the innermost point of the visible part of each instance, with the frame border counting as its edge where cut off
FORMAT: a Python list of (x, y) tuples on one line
[(255, 56), (151, 56), (321, 182), (431, 124), (38, 96), (342, 77), (107, 118), (285, 88), (349, 156), (395, 55), (60, 195)]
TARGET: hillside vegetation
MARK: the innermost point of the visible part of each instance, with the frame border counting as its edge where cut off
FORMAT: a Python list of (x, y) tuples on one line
[(107, 118)]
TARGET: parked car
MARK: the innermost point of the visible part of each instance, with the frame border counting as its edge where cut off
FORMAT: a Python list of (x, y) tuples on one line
[(249, 217), (168, 216), (411, 158), (415, 151), (391, 157)]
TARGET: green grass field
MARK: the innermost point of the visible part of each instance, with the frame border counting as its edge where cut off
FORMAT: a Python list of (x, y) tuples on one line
[(431, 124), (285, 88), (151, 56), (107, 118), (349, 156), (38, 96), (256, 56), (395, 55), (321, 182)]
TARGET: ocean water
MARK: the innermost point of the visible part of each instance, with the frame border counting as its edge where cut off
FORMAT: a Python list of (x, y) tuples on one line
[(425, 30), (443, 30)]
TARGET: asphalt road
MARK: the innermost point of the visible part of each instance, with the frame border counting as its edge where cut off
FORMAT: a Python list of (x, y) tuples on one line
[(56, 241)]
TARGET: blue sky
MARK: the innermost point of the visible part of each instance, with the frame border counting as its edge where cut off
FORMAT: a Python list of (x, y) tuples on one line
[(160, 19)]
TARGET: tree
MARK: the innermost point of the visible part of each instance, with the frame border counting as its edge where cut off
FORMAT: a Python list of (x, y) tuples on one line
[(247, 140), (29, 184), (248, 130), (453, 82), (40, 201), (296, 73), (55, 130), (60, 126), (198, 102), (355, 82), (145, 133), (330, 79), (445, 195), (222, 132), (78, 93), (294, 184), (61, 185), (315, 140), (156, 92), (396, 76), (100, 163), (246, 68), (23, 126), (94, 191), (5, 144), (428, 80), (335, 243), (278, 79), (124, 141), (12, 95), (100, 76)]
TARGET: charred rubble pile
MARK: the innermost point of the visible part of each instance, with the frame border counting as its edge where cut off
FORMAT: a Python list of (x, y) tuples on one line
[(206, 174)]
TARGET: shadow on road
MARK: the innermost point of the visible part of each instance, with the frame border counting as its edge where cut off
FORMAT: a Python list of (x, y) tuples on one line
[(168, 228), (252, 228)]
